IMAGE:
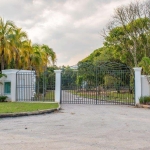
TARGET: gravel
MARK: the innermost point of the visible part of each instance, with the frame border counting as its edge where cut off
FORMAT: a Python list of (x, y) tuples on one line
[(79, 127)]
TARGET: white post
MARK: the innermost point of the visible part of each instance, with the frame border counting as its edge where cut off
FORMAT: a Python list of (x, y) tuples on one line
[(137, 71), (57, 85)]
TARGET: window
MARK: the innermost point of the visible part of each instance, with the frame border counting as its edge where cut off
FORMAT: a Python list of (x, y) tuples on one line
[(7, 87)]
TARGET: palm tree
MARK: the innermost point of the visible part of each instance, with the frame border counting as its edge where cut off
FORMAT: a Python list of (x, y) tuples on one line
[(37, 59), (50, 54), (18, 39), (5, 33), (16, 51), (25, 62), (41, 56)]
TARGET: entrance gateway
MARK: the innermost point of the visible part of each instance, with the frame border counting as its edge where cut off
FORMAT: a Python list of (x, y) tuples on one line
[(101, 83)]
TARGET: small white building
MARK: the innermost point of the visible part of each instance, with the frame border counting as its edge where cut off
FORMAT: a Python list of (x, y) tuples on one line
[(18, 85), (74, 67)]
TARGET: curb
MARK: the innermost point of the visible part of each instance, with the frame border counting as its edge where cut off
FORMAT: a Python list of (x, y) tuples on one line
[(142, 106), (46, 111)]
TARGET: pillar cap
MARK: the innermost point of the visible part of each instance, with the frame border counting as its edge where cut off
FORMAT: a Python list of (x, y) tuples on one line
[(137, 68), (57, 71)]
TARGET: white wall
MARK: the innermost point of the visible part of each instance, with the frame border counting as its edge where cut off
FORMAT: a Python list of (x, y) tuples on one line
[(11, 77), (145, 86), (2, 85)]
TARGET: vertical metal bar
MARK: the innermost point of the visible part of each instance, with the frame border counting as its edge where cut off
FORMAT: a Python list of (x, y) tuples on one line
[(60, 89), (43, 87), (16, 87), (96, 69)]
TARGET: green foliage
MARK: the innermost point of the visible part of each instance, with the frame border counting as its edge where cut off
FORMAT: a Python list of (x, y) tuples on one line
[(46, 79), (109, 80), (101, 54), (3, 98), (69, 77), (145, 64), (87, 71), (3, 75), (80, 80), (96, 53), (144, 99)]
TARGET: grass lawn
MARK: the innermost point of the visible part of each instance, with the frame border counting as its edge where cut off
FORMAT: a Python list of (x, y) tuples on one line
[(50, 96), (15, 107)]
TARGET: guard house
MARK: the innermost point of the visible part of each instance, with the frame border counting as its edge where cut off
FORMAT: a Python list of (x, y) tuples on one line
[(18, 85)]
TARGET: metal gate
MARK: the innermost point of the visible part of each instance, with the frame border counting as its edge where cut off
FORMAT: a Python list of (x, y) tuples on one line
[(103, 83), (31, 86)]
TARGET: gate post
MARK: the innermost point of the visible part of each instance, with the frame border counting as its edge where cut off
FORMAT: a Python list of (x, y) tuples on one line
[(137, 71), (57, 85)]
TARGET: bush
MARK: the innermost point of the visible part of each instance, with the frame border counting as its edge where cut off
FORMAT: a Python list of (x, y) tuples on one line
[(3, 98), (145, 100)]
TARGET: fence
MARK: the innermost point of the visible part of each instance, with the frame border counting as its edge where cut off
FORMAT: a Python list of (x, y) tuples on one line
[(33, 87)]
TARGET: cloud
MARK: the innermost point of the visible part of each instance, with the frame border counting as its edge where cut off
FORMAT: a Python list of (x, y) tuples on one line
[(72, 28)]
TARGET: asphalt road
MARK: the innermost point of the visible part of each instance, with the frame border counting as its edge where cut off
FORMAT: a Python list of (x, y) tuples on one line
[(79, 127)]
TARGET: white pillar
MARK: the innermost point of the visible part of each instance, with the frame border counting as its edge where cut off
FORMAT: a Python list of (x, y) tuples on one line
[(57, 85), (138, 94)]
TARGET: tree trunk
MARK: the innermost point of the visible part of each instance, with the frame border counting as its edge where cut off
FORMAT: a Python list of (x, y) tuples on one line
[(17, 61), (2, 60)]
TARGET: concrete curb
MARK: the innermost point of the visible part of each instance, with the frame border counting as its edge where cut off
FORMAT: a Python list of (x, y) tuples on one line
[(46, 111), (142, 106)]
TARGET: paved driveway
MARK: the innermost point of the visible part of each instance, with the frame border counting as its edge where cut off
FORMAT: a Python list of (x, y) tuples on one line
[(79, 127)]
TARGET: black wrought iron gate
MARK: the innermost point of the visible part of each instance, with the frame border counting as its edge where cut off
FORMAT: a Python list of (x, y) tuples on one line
[(32, 86), (105, 83)]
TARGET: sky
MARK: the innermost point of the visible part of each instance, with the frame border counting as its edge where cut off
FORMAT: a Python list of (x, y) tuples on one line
[(72, 28)]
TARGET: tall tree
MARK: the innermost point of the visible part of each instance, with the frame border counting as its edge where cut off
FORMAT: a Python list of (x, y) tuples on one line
[(5, 32), (134, 20), (17, 41), (50, 54)]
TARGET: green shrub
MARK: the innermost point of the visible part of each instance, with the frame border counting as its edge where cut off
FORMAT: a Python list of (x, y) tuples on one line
[(145, 64), (3, 98), (144, 100)]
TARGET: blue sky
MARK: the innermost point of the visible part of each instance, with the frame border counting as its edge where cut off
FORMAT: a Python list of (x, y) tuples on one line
[(71, 27)]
